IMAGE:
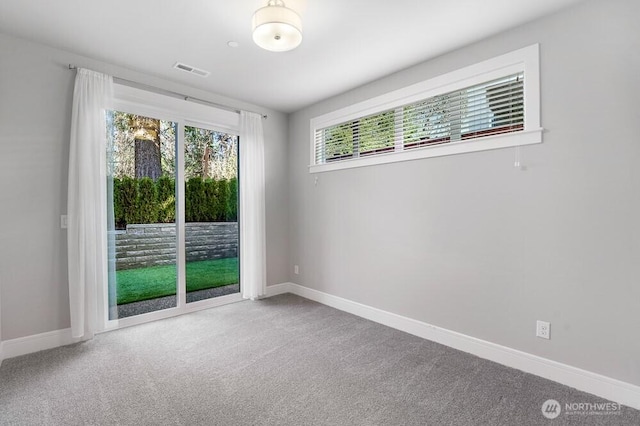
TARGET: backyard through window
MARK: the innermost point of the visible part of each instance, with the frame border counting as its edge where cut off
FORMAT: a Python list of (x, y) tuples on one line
[(488, 109), (142, 170), (211, 213)]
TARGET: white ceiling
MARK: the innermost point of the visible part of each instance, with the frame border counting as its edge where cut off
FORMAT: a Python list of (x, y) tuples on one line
[(346, 43)]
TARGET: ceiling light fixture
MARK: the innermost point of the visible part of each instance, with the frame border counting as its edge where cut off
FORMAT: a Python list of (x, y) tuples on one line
[(276, 27)]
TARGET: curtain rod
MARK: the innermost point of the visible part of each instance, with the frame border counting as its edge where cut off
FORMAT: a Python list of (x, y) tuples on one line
[(174, 94)]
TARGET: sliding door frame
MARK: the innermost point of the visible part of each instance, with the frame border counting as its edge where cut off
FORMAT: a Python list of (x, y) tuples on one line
[(184, 113)]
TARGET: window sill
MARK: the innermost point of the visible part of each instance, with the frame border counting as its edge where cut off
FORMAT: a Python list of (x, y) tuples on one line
[(527, 137)]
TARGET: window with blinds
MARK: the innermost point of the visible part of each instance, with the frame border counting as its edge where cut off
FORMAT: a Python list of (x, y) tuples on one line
[(498, 110), (482, 110)]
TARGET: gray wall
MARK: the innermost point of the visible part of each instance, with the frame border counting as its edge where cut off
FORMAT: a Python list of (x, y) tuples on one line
[(468, 242), (35, 112)]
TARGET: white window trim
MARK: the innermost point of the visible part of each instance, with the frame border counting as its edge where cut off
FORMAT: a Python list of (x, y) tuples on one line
[(150, 104), (522, 60), (174, 109)]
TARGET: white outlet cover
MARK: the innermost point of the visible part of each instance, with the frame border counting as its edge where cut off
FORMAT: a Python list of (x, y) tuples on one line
[(543, 329)]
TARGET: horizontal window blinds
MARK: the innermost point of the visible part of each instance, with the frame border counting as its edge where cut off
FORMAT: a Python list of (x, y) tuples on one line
[(482, 110)]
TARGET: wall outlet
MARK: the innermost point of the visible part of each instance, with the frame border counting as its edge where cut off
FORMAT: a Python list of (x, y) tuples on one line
[(63, 221), (543, 329), (296, 270)]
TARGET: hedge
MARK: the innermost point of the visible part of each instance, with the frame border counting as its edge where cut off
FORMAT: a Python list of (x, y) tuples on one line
[(146, 201)]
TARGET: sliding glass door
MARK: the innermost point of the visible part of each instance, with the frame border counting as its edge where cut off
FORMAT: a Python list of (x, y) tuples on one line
[(141, 163), (211, 213), (172, 218)]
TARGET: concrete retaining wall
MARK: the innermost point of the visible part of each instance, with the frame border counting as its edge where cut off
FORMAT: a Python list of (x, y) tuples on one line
[(155, 244)]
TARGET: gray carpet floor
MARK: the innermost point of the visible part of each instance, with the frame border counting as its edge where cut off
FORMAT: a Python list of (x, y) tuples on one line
[(279, 361)]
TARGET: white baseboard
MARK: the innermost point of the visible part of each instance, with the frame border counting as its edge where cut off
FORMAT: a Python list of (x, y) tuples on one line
[(35, 343), (274, 290), (53, 339), (586, 381)]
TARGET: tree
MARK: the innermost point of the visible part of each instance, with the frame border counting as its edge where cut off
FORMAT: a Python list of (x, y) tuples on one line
[(210, 154), (338, 141), (359, 137), (122, 147), (210, 200), (427, 121), (195, 208), (222, 200), (166, 199), (142, 153), (376, 132), (223, 156), (118, 205), (128, 199), (232, 202), (146, 134), (147, 204)]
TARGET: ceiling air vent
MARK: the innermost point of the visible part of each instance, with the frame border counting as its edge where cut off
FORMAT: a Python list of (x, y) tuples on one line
[(190, 69)]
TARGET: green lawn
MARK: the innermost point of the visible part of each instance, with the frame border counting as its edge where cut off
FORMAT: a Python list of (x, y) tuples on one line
[(134, 285)]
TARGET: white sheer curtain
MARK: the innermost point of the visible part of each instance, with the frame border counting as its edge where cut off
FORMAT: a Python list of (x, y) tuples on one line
[(86, 203), (253, 275)]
